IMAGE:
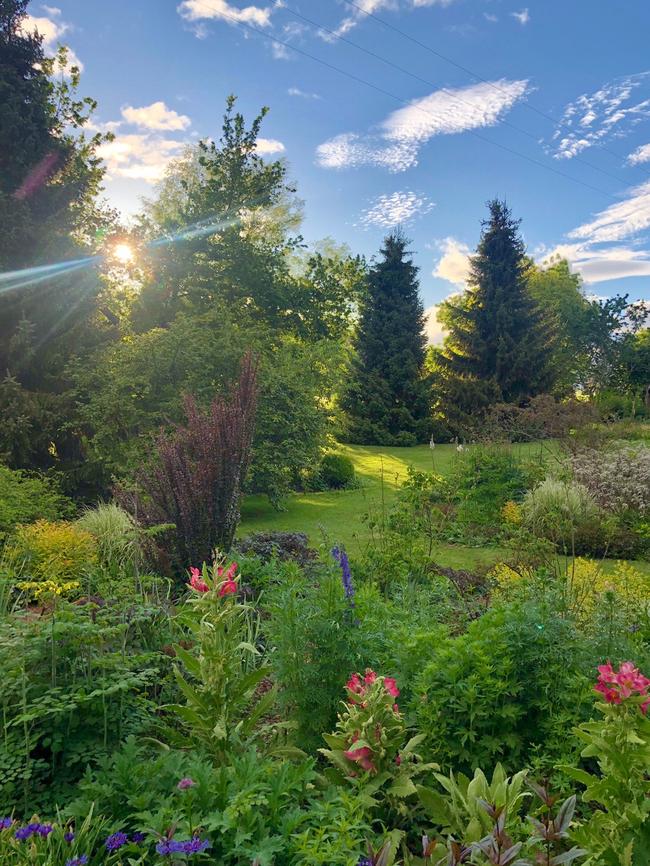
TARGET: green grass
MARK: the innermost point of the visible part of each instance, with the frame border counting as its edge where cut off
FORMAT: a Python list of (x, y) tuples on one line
[(337, 516)]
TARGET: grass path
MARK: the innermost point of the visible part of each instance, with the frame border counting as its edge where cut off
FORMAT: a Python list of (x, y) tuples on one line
[(338, 515)]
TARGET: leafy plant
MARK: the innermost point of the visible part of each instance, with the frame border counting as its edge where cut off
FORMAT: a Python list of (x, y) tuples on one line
[(25, 498), (618, 829), (224, 702)]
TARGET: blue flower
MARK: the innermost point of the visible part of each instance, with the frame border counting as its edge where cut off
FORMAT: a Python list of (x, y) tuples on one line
[(44, 830), (23, 833), (365, 861), (195, 845), (5, 823), (69, 836), (77, 861), (346, 576), (138, 837), (115, 841)]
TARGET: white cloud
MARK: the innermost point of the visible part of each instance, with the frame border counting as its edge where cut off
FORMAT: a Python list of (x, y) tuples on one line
[(406, 130), (597, 265), (610, 112), (156, 116), (52, 10), (371, 7), (490, 17), (641, 154), (432, 327), (142, 157), (398, 207), (296, 91), (453, 264), (267, 146), (620, 220), (52, 32), (522, 17), (197, 10)]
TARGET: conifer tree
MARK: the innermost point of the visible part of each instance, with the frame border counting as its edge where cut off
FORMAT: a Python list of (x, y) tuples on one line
[(500, 344), (387, 401)]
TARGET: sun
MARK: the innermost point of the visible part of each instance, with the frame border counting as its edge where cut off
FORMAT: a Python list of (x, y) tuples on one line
[(123, 253)]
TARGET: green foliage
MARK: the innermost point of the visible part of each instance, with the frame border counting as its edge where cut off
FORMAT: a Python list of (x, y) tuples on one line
[(25, 498), (387, 401), (314, 645), (458, 810), (334, 472), (618, 829), (74, 684), (507, 687), (224, 709)]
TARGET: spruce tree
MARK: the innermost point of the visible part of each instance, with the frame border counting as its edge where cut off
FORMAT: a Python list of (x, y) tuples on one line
[(387, 400), (500, 344)]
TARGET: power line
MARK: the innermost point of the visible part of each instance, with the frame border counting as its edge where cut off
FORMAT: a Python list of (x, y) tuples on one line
[(407, 102), (438, 87), (471, 72)]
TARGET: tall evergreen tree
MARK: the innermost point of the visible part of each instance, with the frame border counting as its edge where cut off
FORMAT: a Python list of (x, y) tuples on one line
[(500, 344), (387, 400)]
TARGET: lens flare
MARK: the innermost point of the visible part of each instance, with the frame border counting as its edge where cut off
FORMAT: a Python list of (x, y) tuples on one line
[(123, 253)]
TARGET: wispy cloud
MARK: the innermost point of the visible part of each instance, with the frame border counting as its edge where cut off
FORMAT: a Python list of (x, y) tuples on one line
[(296, 91), (364, 8), (597, 265), (200, 10), (489, 16), (523, 17), (593, 118), (453, 264), (618, 221), (156, 116), (268, 146), (392, 209), (641, 154), (401, 135)]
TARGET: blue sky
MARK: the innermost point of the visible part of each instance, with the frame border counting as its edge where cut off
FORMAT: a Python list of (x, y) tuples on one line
[(551, 111)]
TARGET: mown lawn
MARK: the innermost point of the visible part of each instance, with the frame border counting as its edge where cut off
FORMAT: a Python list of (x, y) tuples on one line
[(337, 517)]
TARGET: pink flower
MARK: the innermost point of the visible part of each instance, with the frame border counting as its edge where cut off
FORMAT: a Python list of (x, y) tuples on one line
[(220, 571), (197, 582), (355, 685), (227, 588), (398, 760), (232, 571), (396, 709), (617, 685), (361, 757), (369, 677), (390, 685), (186, 783)]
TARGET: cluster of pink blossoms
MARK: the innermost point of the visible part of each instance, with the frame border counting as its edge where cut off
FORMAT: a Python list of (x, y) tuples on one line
[(615, 686), (228, 587), (358, 685)]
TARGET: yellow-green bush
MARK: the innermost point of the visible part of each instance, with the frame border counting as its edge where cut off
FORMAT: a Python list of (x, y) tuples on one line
[(585, 585), (51, 558)]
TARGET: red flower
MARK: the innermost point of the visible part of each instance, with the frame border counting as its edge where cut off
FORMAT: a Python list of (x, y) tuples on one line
[(232, 570), (617, 685), (355, 685), (391, 687), (227, 588), (398, 760), (370, 677), (196, 581)]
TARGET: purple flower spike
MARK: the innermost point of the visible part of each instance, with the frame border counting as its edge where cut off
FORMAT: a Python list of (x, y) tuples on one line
[(5, 823), (69, 836), (44, 830), (138, 837), (186, 783), (77, 861)]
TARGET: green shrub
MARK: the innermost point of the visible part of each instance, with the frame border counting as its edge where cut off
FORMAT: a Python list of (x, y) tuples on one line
[(484, 479), (337, 471), (74, 685), (25, 498), (315, 643), (510, 687)]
